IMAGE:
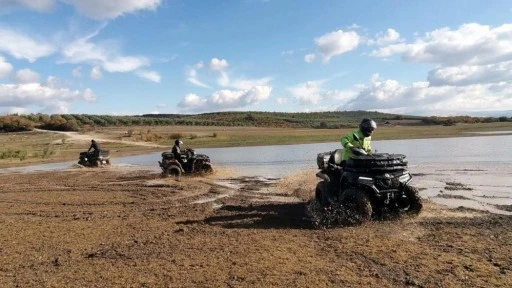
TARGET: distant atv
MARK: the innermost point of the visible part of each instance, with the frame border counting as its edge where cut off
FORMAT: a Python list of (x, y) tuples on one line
[(192, 164), (365, 186), (95, 158)]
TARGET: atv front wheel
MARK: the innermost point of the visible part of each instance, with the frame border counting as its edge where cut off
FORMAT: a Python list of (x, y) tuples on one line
[(206, 169), (358, 205), (320, 193), (413, 201)]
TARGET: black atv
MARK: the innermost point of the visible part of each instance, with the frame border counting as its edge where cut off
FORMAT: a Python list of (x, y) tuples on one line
[(190, 163), (366, 186), (94, 158)]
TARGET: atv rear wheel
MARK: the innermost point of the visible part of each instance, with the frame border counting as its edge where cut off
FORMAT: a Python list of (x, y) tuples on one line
[(413, 202), (358, 205), (173, 170)]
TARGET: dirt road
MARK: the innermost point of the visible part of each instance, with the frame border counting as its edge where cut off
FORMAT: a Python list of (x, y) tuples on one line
[(129, 228), (86, 138)]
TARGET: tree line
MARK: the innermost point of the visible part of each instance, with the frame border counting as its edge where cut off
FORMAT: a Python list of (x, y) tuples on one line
[(321, 120)]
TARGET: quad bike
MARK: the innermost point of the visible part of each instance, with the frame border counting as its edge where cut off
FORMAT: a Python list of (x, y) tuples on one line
[(190, 163), (95, 158), (366, 186)]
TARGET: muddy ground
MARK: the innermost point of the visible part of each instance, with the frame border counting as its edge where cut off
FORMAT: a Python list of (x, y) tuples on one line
[(128, 228)]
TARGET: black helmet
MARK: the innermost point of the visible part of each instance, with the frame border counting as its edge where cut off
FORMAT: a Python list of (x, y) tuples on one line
[(92, 141), (367, 126), (178, 142)]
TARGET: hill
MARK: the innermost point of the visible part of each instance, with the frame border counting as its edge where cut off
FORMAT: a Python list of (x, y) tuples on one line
[(322, 120)]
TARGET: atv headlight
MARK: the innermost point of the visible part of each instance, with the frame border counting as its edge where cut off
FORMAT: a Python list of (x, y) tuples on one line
[(405, 178), (365, 180)]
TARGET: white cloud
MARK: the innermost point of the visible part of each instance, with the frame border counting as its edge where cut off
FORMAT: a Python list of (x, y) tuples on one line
[(237, 93), (38, 5), (336, 43), (21, 46), (281, 101), (108, 56), (96, 73), (27, 76), (149, 75), (314, 93), (218, 64), (193, 77), (5, 67), (467, 75), (161, 105), (308, 92), (48, 99), (101, 9), (77, 72), (420, 98), (470, 44), (225, 99), (59, 107), (473, 73), (247, 84), (310, 58), (223, 79), (197, 82), (193, 102), (390, 37), (17, 110)]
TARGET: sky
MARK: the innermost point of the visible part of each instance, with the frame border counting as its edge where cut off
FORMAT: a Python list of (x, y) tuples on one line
[(132, 57)]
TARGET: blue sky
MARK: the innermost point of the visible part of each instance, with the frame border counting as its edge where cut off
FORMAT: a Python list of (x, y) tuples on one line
[(127, 57)]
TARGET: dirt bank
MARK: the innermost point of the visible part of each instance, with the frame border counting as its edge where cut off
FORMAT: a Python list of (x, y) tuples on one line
[(129, 228)]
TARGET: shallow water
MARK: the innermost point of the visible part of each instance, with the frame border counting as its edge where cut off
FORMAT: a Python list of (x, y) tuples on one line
[(283, 160)]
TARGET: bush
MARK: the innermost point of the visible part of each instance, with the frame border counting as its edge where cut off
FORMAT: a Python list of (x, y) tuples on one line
[(15, 124), (17, 154)]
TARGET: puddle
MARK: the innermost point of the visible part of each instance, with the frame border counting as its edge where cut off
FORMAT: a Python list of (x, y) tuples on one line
[(469, 203), (211, 199)]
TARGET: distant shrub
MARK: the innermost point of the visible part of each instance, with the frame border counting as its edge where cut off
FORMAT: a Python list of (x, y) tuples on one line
[(193, 136), (48, 151), (14, 123), (214, 135), (15, 154)]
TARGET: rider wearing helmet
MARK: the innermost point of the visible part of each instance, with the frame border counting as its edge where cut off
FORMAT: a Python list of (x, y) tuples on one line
[(176, 150), (359, 138)]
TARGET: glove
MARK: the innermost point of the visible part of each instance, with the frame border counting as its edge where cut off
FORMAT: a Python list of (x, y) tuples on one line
[(358, 151)]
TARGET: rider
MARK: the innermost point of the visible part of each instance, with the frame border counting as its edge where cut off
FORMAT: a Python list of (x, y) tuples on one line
[(176, 150), (359, 138), (95, 146)]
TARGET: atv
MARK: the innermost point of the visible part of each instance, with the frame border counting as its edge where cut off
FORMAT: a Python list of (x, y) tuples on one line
[(189, 163), (366, 186), (95, 158)]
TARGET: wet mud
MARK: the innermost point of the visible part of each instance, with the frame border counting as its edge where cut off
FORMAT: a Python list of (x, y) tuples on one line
[(121, 227)]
